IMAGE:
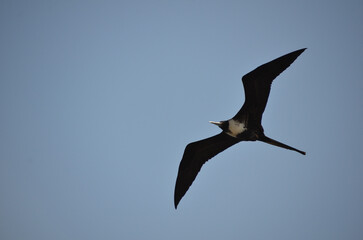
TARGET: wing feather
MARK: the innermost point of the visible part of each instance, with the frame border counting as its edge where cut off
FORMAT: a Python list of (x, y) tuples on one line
[(257, 84), (195, 155)]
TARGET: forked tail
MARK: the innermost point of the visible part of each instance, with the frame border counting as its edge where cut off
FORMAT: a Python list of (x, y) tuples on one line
[(278, 144)]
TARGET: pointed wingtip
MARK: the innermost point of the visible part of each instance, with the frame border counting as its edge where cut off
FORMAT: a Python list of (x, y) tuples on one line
[(301, 50), (298, 52), (177, 197), (176, 202)]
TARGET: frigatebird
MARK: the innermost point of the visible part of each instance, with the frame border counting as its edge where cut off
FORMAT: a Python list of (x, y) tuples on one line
[(244, 126)]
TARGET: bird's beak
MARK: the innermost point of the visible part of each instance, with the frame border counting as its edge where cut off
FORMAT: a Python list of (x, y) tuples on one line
[(216, 123)]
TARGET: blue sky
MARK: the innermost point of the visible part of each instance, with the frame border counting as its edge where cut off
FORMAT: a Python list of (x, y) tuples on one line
[(98, 100)]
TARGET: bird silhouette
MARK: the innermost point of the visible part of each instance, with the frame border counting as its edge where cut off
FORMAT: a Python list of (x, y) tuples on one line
[(244, 126)]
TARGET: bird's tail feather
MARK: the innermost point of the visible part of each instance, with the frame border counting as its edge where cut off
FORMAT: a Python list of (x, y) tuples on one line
[(278, 144)]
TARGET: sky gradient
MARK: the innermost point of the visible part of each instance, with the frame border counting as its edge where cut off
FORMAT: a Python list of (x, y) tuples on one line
[(98, 100)]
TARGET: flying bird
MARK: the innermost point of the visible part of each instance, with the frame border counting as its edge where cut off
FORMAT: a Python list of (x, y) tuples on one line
[(244, 126)]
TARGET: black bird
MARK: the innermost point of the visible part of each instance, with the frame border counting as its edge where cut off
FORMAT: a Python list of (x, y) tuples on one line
[(244, 126)]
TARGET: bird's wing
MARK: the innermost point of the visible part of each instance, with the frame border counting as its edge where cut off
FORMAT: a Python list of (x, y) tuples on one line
[(195, 155), (257, 84)]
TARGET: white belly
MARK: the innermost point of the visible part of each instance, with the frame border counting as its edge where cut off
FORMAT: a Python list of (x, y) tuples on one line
[(235, 128)]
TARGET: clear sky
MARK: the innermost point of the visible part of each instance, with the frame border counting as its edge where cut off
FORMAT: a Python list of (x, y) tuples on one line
[(98, 100)]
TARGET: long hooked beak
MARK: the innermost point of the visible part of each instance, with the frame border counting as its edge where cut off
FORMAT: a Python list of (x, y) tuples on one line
[(216, 123)]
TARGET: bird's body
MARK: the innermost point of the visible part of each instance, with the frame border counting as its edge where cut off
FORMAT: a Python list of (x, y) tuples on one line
[(244, 126)]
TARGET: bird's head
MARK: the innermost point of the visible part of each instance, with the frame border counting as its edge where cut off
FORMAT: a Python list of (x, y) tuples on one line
[(222, 124)]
